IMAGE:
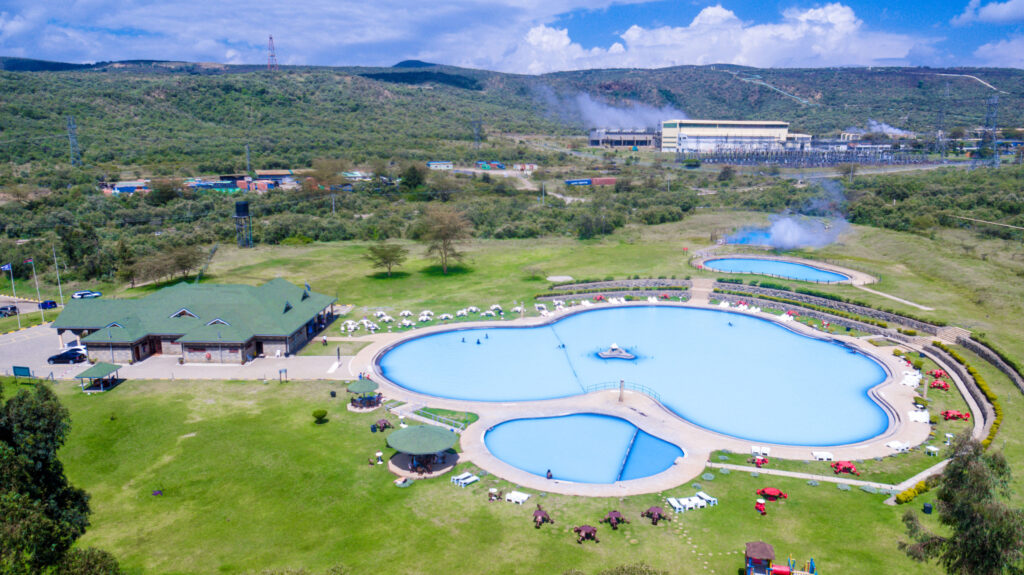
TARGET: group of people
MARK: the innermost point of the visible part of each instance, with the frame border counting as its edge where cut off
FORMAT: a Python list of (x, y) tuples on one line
[(366, 401)]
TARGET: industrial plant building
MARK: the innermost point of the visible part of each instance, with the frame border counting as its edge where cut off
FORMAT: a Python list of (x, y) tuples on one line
[(719, 135), (625, 138)]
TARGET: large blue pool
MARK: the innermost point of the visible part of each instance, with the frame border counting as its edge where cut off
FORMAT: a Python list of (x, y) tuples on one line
[(585, 448), (731, 373), (774, 268)]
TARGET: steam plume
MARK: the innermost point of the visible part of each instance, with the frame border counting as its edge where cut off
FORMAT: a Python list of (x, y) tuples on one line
[(584, 109)]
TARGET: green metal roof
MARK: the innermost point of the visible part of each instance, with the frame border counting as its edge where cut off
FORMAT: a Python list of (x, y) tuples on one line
[(422, 439), (239, 312), (362, 386), (99, 370)]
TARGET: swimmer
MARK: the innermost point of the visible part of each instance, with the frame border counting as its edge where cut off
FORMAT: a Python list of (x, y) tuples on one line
[(549, 474), (478, 342), (463, 340)]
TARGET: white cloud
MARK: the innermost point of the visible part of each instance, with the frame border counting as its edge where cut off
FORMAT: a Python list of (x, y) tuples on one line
[(992, 12), (829, 35), (1007, 53)]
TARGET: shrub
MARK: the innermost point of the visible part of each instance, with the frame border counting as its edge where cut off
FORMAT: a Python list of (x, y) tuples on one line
[(320, 415), (729, 281), (812, 483), (297, 240), (897, 352), (843, 487), (708, 477), (868, 489)]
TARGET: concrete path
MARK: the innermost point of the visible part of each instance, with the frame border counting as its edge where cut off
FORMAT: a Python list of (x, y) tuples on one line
[(894, 298), (700, 291), (298, 367), (798, 475)]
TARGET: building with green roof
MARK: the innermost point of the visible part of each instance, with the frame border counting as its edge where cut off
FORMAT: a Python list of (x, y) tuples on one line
[(205, 323)]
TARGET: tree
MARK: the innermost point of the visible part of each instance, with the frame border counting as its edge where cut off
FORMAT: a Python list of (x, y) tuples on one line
[(726, 173), (41, 513), (847, 171), (162, 192), (444, 229), (985, 535), (412, 177), (186, 258), (387, 256)]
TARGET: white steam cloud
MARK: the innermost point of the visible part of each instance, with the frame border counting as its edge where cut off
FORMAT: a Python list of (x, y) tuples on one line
[(594, 113), (791, 232), (876, 127)]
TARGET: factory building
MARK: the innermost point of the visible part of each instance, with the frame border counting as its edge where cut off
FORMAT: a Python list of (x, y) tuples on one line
[(718, 135), (625, 138)]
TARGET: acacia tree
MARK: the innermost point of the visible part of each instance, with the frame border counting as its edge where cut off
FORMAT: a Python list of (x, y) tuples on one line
[(444, 228), (384, 255), (985, 535)]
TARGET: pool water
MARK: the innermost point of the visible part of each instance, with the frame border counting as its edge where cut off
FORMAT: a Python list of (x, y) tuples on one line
[(730, 373), (585, 448), (776, 268)]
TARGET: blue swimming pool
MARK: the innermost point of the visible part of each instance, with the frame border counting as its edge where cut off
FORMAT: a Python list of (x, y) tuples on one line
[(585, 448), (776, 268), (730, 373)]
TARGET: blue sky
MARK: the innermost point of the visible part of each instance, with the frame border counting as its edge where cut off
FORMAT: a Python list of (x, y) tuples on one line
[(524, 36)]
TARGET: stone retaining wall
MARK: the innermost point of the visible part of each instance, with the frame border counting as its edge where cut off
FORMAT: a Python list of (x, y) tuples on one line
[(988, 412), (840, 321), (838, 305), (624, 284), (644, 294), (992, 357)]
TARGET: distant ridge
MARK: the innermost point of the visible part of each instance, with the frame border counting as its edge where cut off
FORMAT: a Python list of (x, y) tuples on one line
[(414, 64), (12, 64)]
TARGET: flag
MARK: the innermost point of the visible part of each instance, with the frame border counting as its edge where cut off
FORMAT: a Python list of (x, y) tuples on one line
[(28, 261), (5, 268)]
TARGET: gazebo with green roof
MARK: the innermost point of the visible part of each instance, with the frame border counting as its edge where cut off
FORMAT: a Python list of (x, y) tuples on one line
[(98, 373), (205, 323), (422, 439)]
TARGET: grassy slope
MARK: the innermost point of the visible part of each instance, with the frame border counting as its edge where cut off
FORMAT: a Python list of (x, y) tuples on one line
[(289, 493)]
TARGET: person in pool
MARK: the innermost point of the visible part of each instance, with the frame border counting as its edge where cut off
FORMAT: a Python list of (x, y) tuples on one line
[(549, 475)]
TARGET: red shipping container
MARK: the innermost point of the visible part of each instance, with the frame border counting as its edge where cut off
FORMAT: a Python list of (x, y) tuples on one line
[(602, 181)]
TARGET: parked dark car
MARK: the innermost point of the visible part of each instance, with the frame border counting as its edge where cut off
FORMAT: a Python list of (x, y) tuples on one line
[(69, 356), (8, 310), (48, 304)]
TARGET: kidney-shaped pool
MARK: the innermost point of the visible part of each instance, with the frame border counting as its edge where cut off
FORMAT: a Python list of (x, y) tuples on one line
[(730, 373)]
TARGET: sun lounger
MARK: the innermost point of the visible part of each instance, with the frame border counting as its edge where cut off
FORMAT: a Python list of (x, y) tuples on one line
[(677, 505), (918, 416), (696, 502), (517, 497), (468, 480), (755, 450), (822, 455), (711, 500), (458, 478)]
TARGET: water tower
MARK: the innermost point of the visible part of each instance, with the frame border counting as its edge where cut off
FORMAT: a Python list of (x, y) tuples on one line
[(243, 224)]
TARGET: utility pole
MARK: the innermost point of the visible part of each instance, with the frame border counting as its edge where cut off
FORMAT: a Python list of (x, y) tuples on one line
[(333, 196), (941, 135), (35, 278), (76, 154), (60, 290), (477, 127)]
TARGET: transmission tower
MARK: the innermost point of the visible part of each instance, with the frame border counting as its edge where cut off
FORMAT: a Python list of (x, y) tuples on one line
[(477, 128), (76, 154), (940, 137), (989, 144), (271, 55)]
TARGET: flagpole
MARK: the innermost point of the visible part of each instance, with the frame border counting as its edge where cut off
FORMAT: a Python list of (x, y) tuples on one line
[(35, 278), (14, 293), (57, 267)]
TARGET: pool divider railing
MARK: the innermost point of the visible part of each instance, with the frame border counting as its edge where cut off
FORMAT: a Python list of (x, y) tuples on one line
[(629, 449), (631, 386)]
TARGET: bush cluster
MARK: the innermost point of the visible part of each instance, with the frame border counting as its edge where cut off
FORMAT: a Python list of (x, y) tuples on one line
[(983, 386), (908, 495)]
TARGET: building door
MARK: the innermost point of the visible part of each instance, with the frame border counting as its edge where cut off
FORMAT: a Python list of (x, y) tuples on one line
[(259, 349), (157, 345)]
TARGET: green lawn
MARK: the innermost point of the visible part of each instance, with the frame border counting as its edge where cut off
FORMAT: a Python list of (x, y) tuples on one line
[(28, 319), (243, 465), (299, 494)]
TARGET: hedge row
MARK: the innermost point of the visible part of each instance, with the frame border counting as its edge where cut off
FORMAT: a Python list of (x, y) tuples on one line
[(608, 290), (983, 386), (811, 306), (980, 338), (834, 297), (908, 495)]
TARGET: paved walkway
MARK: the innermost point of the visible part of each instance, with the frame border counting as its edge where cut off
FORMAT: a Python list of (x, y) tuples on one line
[(701, 290), (798, 475), (643, 412), (894, 298)]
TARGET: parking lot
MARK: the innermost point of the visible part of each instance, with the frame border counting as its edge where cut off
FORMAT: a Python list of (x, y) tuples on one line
[(30, 348)]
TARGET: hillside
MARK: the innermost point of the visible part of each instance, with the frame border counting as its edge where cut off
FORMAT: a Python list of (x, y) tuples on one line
[(179, 117)]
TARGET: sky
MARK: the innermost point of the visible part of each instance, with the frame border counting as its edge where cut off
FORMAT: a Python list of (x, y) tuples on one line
[(522, 36)]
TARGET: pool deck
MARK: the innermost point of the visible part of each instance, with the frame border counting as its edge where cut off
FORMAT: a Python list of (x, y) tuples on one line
[(856, 278), (644, 412)]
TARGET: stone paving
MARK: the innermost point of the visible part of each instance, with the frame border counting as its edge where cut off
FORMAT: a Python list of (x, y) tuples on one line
[(645, 413)]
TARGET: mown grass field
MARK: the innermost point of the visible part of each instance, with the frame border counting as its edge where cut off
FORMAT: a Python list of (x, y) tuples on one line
[(250, 482)]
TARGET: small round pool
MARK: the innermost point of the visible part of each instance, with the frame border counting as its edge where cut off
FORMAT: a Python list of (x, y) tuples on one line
[(775, 268), (584, 448)]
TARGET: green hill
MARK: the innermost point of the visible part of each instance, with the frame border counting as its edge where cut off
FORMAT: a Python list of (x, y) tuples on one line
[(176, 117)]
